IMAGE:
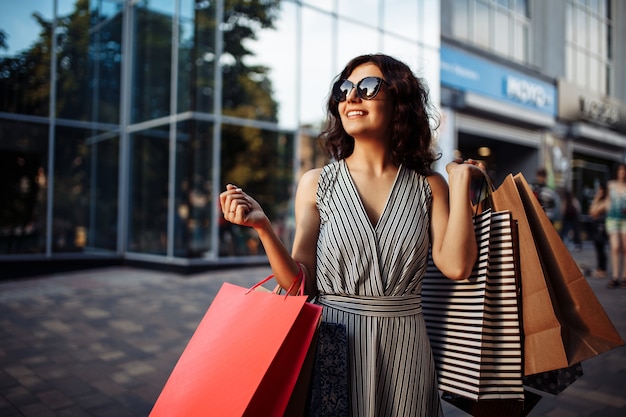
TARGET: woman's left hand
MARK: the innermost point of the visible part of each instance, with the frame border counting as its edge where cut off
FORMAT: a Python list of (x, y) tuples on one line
[(471, 166)]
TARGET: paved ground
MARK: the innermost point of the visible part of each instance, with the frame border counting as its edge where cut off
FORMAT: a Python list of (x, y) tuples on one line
[(102, 342)]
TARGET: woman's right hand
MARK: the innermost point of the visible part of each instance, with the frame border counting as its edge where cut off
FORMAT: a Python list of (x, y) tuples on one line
[(239, 208)]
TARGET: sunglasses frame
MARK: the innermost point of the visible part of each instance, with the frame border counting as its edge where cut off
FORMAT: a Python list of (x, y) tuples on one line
[(339, 96)]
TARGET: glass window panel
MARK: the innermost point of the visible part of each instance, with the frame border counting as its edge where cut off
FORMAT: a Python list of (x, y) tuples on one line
[(569, 27), (460, 19), (501, 33), (326, 5), (581, 69), (316, 74), (594, 34), (521, 7), (363, 11), (247, 90), (521, 42), (403, 50), (368, 42), (88, 81), (280, 62), (24, 172), (25, 46), (194, 205), (429, 24), (592, 71), (148, 191), (85, 190), (196, 56), (570, 68), (481, 24), (101, 230), (401, 17), (602, 40), (151, 63), (429, 70), (261, 162), (582, 34)]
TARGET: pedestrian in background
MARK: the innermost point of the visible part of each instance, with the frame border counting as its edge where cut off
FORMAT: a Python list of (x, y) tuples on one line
[(548, 197), (597, 212), (364, 227), (570, 219), (616, 226)]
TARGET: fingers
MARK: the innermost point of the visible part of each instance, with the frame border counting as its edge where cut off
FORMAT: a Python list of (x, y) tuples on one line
[(234, 202)]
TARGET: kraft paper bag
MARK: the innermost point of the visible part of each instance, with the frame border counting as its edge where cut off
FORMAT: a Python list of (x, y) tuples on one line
[(244, 358), (563, 321)]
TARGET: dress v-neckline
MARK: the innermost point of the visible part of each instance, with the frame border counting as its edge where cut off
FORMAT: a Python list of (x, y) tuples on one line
[(355, 190)]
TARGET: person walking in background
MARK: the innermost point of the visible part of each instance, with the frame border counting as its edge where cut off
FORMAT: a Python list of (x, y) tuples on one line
[(570, 219), (548, 197), (616, 226), (597, 212), (364, 226)]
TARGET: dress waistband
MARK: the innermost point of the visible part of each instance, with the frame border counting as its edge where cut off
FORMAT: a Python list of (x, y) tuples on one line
[(398, 306)]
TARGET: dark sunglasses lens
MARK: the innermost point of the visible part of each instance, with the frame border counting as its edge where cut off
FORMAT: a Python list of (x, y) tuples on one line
[(368, 87), (341, 89)]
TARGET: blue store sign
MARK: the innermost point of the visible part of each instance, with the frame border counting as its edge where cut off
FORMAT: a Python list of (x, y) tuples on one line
[(467, 72)]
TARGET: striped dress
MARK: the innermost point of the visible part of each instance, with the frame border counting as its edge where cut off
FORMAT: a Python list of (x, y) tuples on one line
[(369, 279)]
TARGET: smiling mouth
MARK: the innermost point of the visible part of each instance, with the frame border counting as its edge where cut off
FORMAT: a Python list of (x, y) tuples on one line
[(355, 113)]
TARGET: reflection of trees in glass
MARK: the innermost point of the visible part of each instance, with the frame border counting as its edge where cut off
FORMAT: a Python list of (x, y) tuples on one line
[(88, 67), (3, 40), (152, 64), (25, 77), (88, 57), (252, 157)]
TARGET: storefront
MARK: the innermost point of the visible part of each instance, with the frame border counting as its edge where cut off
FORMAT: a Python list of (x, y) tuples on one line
[(596, 131), (496, 113)]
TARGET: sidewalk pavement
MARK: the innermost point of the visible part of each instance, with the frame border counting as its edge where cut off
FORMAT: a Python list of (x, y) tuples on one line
[(102, 342)]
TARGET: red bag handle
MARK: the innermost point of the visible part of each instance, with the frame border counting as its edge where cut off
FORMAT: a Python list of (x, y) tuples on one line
[(299, 279)]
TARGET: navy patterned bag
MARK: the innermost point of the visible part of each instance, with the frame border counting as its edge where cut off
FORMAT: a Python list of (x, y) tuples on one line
[(329, 383)]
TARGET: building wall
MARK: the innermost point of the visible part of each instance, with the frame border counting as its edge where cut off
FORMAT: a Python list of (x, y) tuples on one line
[(578, 147)]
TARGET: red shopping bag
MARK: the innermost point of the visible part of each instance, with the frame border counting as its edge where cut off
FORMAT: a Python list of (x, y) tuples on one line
[(244, 358)]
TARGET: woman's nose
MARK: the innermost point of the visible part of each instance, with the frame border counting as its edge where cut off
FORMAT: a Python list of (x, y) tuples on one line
[(353, 95)]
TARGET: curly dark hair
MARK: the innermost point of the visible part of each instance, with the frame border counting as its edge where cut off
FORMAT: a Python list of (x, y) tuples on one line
[(412, 136)]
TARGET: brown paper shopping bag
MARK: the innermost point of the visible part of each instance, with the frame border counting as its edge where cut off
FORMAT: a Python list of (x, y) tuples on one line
[(564, 323), (244, 358)]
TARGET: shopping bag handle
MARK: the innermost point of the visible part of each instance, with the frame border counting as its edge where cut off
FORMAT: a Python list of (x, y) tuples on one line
[(277, 290), (483, 196)]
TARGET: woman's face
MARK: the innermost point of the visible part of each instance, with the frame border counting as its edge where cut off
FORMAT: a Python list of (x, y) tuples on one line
[(367, 118), (621, 172)]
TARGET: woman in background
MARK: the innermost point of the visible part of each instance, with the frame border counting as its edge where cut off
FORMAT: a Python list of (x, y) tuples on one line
[(616, 226)]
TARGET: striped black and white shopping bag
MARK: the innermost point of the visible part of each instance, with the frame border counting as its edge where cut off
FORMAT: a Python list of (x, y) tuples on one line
[(474, 324)]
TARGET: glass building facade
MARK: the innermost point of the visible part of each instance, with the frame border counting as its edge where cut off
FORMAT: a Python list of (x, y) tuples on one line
[(122, 120)]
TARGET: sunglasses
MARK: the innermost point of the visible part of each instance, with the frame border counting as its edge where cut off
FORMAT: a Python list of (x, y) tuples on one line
[(366, 89)]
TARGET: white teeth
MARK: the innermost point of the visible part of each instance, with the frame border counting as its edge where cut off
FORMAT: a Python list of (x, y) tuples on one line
[(355, 113)]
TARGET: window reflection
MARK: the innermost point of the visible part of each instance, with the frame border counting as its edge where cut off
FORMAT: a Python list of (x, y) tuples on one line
[(149, 191), (261, 162), (194, 203), (24, 172)]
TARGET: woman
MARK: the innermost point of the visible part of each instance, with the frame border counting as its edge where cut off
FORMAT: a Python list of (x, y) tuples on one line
[(616, 226), (364, 225), (597, 212)]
